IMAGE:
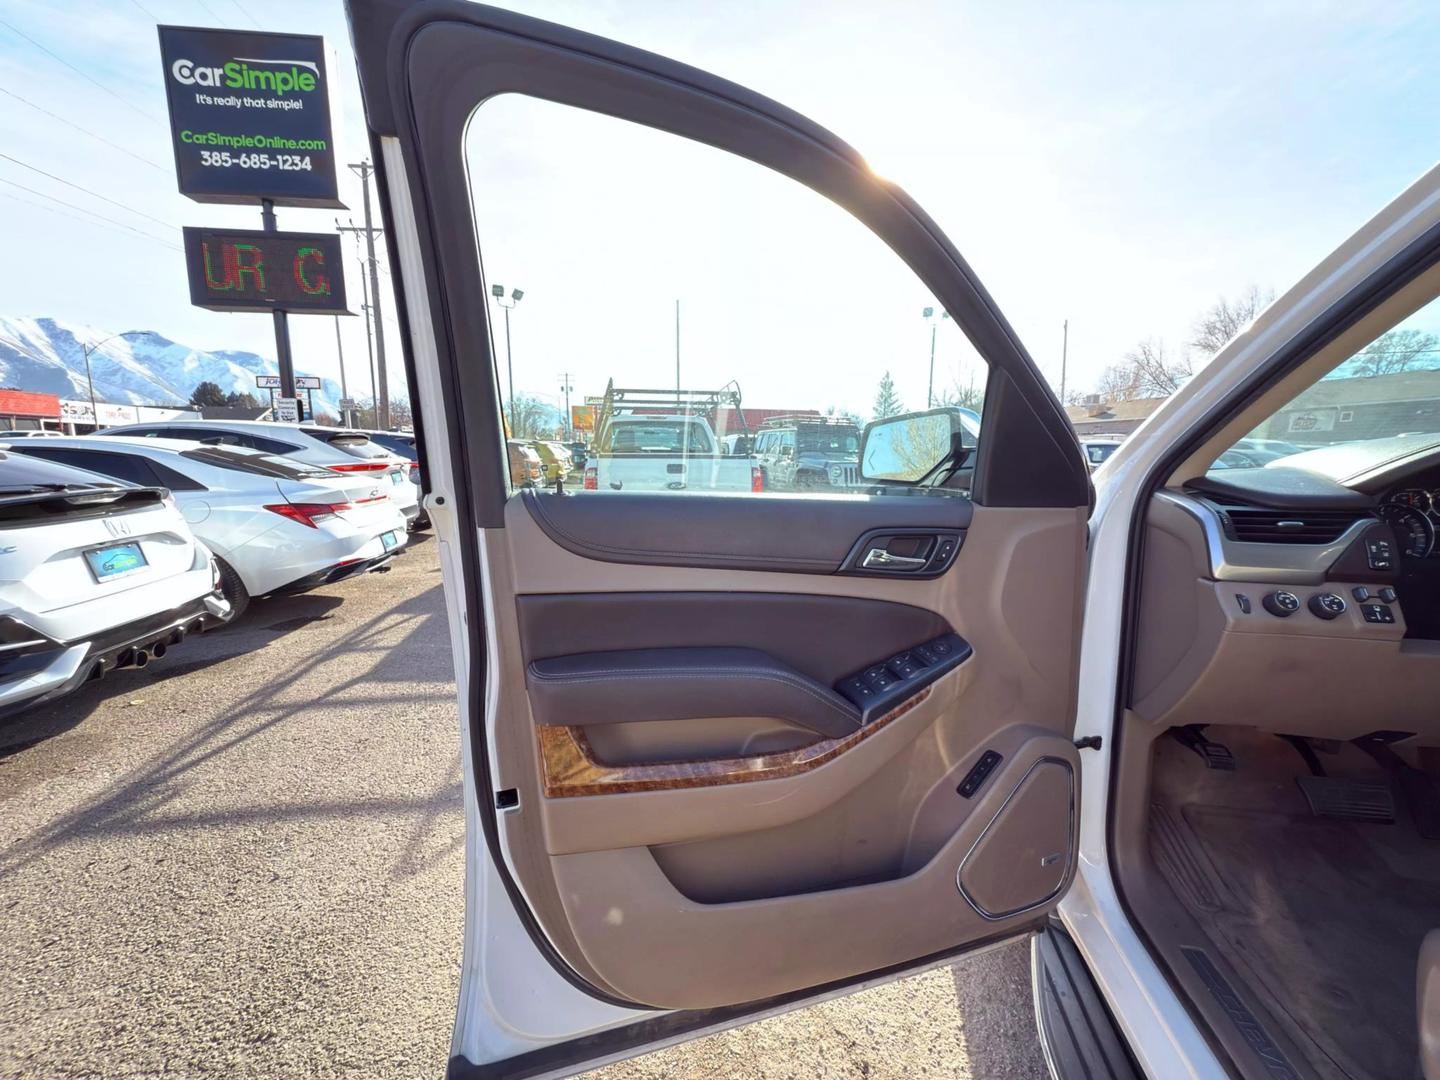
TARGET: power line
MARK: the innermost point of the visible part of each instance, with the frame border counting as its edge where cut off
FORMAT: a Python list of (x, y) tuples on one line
[(148, 13), (209, 10), (87, 191), (241, 8), (93, 81), (77, 127), (92, 213)]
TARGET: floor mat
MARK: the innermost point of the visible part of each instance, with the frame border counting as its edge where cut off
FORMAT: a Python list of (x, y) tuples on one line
[(1319, 923)]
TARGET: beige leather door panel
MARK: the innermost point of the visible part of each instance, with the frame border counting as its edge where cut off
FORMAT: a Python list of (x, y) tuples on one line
[(654, 945), (750, 868)]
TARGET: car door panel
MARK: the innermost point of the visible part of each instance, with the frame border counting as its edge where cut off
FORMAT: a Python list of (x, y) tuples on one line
[(803, 823), (699, 852)]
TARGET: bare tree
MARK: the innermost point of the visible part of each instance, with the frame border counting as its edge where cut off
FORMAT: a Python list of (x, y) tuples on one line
[(967, 397), (400, 415), (1226, 318), (1395, 351), (1157, 373), (532, 418)]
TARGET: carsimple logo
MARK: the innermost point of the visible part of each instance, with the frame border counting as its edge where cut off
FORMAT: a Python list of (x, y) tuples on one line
[(277, 76)]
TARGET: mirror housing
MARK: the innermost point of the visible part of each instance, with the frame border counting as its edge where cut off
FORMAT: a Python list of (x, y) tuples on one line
[(906, 449)]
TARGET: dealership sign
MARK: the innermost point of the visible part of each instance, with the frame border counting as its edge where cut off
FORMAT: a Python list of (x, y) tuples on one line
[(249, 116), (250, 270)]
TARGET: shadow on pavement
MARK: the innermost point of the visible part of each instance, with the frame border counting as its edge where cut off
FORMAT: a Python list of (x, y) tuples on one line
[(131, 802)]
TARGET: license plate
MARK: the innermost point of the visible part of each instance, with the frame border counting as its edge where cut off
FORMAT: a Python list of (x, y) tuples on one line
[(115, 561), (397, 477), (390, 540)]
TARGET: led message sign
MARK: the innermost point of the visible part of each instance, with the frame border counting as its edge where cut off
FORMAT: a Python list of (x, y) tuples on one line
[(249, 270)]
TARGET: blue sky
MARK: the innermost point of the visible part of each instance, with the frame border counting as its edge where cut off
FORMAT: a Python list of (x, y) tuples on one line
[(1117, 165)]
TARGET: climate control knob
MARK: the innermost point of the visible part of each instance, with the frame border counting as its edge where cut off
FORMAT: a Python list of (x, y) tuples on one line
[(1281, 604), (1327, 605)]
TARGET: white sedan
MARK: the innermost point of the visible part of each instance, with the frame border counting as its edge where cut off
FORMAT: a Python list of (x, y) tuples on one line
[(94, 575), (344, 450), (275, 524)]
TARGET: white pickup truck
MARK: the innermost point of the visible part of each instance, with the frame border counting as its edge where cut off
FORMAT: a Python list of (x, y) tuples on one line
[(676, 452)]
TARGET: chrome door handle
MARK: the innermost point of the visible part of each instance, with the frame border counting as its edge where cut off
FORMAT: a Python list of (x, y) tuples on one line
[(880, 559)]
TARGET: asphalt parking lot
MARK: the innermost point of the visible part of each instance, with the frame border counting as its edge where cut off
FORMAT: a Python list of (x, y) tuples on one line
[(246, 860)]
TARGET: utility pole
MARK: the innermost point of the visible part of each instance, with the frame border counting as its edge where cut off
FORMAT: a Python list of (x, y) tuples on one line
[(1064, 356), (345, 418), (677, 345), (282, 320), (565, 385), (364, 169), (369, 340)]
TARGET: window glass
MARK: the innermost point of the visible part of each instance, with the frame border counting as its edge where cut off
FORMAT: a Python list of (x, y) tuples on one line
[(700, 323), (127, 467), (1380, 403)]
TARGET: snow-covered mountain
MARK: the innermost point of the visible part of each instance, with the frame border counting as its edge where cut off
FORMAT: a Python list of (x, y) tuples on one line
[(140, 368)]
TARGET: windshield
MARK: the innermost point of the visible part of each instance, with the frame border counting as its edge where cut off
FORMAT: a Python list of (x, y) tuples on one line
[(660, 437), (1377, 402), (1099, 452), (822, 441)]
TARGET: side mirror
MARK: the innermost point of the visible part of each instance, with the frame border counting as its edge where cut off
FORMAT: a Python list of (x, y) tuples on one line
[(907, 448)]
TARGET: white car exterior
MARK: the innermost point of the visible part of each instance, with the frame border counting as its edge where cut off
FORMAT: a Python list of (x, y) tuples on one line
[(339, 449), (280, 524), (94, 575)]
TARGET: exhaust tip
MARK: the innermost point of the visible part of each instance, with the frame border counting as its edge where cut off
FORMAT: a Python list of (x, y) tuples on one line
[(158, 649)]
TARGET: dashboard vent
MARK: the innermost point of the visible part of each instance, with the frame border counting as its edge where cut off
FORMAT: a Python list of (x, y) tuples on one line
[(1266, 525)]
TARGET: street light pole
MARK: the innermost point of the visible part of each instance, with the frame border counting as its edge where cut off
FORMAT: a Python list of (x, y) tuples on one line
[(516, 295), (87, 349), (929, 314)]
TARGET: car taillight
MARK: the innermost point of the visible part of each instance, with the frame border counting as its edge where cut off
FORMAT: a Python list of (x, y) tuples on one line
[(415, 471), (362, 466), (592, 479), (308, 513), (757, 478)]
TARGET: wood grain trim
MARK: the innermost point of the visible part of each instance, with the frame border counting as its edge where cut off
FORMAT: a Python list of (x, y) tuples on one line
[(570, 768)]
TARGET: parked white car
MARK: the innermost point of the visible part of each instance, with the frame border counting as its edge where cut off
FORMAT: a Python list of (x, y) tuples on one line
[(94, 576), (276, 525), (339, 449)]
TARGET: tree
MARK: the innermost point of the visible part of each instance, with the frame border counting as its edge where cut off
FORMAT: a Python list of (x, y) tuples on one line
[(887, 402), (239, 399), (1226, 318), (1153, 372), (207, 395), (531, 419), (400, 415), (1395, 351), (966, 397)]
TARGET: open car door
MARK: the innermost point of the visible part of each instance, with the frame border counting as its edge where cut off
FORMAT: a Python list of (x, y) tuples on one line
[(725, 748)]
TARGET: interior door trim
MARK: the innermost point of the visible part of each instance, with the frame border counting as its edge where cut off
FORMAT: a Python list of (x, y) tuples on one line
[(570, 768)]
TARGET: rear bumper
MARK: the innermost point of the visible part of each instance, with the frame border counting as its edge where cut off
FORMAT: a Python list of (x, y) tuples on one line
[(331, 574), (38, 677)]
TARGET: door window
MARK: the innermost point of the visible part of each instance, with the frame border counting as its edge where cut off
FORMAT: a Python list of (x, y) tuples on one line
[(684, 296)]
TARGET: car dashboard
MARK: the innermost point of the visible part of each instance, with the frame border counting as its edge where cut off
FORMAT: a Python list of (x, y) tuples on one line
[(1292, 603)]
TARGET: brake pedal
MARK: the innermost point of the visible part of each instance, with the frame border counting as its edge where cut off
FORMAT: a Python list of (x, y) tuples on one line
[(1214, 754), (1348, 800)]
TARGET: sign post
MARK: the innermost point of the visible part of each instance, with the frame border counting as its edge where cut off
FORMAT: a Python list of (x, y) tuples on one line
[(250, 122)]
